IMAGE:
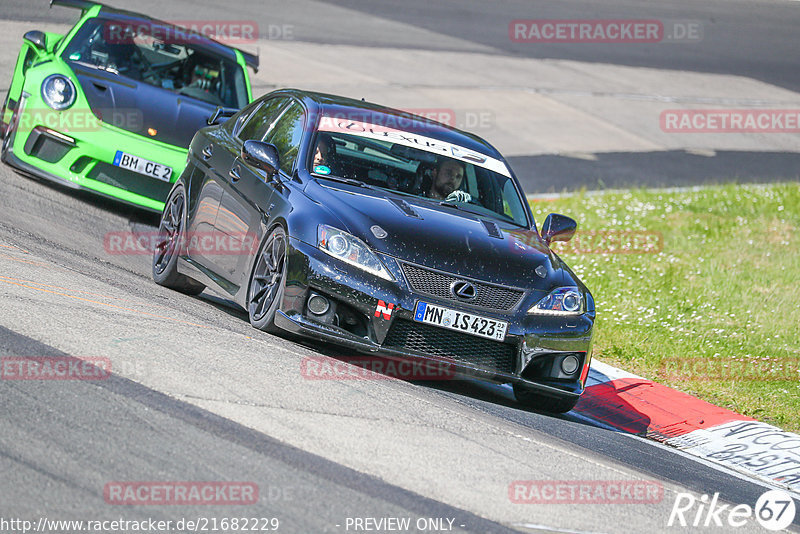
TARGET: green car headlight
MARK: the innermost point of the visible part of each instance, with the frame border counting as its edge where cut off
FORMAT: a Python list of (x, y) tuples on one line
[(58, 92), (350, 249), (562, 301)]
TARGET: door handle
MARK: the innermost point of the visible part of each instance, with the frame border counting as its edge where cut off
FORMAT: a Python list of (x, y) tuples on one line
[(207, 152), (234, 173)]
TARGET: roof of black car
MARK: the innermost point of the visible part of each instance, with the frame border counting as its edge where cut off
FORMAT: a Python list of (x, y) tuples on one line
[(339, 106)]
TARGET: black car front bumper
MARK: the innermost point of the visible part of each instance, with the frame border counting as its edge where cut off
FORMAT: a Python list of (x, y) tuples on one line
[(528, 356)]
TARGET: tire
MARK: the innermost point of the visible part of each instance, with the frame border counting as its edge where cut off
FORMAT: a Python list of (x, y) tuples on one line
[(4, 108), (171, 231), (539, 402), (8, 137), (268, 281)]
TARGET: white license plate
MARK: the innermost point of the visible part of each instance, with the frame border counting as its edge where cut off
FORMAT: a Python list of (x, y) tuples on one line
[(460, 321), (142, 166)]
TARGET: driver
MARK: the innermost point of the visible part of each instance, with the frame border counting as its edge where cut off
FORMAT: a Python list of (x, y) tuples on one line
[(446, 179), (322, 151)]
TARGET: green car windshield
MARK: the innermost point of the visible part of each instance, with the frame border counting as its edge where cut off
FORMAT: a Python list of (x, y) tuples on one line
[(410, 163), (158, 55)]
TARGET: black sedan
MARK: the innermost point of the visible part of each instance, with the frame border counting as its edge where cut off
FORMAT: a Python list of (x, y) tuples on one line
[(382, 232)]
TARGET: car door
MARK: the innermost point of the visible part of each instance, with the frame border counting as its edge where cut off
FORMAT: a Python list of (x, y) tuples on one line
[(287, 135), (205, 193), (244, 188), (215, 151)]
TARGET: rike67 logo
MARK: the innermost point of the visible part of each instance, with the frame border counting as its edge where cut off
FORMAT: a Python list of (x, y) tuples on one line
[(774, 510)]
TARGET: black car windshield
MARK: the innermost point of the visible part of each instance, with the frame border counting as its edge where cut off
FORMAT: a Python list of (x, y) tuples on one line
[(158, 55), (412, 163)]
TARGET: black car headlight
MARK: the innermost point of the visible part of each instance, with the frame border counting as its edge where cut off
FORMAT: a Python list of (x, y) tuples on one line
[(350, 249), (58, 92), (566, 300)]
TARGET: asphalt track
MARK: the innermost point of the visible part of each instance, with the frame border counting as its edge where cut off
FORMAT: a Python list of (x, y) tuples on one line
[(197, 395)]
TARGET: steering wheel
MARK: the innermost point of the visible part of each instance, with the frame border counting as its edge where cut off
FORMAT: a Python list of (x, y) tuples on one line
[(458, 196), (154, 70)]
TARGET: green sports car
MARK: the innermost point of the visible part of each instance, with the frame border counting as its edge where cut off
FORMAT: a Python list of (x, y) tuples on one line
[(112, 106)]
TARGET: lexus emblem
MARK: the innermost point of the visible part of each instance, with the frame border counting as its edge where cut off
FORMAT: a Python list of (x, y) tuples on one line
[(378, 232), (463, 290)]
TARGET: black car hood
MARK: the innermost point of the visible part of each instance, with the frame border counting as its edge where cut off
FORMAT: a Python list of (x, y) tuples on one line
[(137, 106), (440, 237)]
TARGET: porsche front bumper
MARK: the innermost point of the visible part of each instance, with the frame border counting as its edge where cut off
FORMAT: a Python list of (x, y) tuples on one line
[(84, 159)]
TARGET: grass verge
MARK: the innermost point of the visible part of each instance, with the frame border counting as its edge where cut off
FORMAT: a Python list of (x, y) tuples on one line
[(712, 307)]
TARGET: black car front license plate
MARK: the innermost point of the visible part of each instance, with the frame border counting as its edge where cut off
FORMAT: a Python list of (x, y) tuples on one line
[(460, 321)]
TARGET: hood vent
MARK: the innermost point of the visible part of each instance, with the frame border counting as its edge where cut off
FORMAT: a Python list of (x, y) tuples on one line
[(492, 229), (405, 207)]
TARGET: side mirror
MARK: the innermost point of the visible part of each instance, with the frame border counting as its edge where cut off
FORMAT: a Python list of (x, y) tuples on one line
[(220, 115), (262, 156), (37, 39), (558, 228)]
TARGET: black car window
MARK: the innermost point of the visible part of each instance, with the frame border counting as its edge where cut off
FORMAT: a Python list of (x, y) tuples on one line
[(286, 135), (411, 163), (244, 115), (259, 122)]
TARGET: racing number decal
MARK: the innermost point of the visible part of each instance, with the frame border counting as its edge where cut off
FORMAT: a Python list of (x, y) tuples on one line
[(384, 309)]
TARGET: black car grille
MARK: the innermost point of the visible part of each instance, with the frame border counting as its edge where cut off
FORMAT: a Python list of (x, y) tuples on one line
[(433, 341), (438, 285), (130, 181)]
